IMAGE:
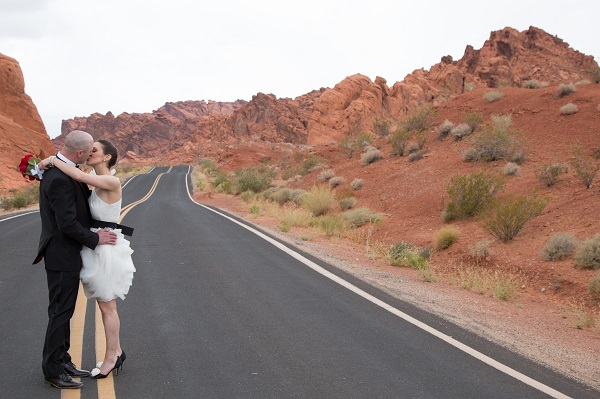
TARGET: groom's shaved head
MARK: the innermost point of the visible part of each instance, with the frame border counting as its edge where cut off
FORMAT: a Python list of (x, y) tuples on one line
[(78, 140)]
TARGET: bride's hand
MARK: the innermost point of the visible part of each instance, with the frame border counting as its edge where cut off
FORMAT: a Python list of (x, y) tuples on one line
[(47, 163)]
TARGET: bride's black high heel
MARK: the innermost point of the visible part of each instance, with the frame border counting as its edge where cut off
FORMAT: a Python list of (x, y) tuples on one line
[(116, 368)]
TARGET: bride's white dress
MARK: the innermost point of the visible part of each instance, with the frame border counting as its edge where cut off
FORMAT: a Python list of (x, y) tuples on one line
[(107, 271)]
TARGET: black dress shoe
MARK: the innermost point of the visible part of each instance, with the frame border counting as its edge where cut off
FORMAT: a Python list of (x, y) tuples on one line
[(63, 381), (73, 371)]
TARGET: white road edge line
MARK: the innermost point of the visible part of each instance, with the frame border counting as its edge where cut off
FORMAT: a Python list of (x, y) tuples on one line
[(476, 354)]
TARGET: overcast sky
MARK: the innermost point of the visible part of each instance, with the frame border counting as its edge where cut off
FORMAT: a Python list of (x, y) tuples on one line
[(84, 56)]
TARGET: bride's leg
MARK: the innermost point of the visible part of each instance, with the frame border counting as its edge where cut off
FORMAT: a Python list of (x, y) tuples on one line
[(112, 325)]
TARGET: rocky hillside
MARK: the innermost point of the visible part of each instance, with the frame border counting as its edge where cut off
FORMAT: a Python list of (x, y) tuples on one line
[(20, 124), (507, 59)]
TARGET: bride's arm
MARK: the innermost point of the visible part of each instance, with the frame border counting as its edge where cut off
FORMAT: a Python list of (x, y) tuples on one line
[(105, 182)]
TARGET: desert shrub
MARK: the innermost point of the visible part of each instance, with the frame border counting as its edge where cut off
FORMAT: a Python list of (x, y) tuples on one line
[(584, 167), (248, 196), (332, 225), (415, 156), (559, 246), (355, 142), (419, 120), (296, 195), (533, 84), (548, 173), (252, 179), (293, 217), (569, 109), (474, 119), (594, 286), (347, 203), (361, 216), (318, 200), (398, 253), (20, 198), (370, 156), (381, 126), (480, 250), (470, 194), (506, 217), (564, 89), (445, 237), (207, 166), (398, 142), (460, 131), (444, 129), (255, 209), (470, 86), (412, 148), (495, 142), (357, 184), (336, 181), (596, 153), (595, 74), (325, 175), (221, 182), (282, 195), (583, 82), (492, 96), (588, 254), (511, 169)]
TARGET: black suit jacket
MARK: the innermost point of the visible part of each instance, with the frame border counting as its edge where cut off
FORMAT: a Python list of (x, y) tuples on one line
[(66, 221)]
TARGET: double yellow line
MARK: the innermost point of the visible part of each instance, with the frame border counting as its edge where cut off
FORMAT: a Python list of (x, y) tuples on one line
[(106, 387)]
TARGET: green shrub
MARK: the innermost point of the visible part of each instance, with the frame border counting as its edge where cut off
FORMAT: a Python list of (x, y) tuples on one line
[(594, 286), (347, 203), (569, 109), (356, 142), (461, 131), (584, 167), (398, 142), (511, 169), (255, 209), (492, 96), (474, 119), (332, 225), (559, 246), (548, 174), (469, 194), (336, 181), (282, 195), (251, 179), (444, 129), (564, 89), (445, 237), (370, 156), (595, 74), (357, 184), (296, 195), (494, 142), (248, 196), (221, 177), (588, 254), (207, 166), (309, 164), (419, 120), (318, 200), (398, 253), (506, 217), (381, 126), (361, 216)]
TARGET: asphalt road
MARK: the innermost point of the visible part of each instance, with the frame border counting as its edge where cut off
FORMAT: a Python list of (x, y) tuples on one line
[(217, 311)]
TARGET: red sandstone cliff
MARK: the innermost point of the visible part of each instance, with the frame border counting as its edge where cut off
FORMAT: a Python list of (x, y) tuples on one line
[(22, 130)]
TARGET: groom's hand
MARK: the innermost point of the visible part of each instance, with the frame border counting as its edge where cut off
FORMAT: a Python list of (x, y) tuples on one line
[(107, 237)]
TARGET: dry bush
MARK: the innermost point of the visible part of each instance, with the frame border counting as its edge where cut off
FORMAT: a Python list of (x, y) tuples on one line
[(461, 131), (357, 184), (370, 156), (347, 203), (474, 119), (336, 181), (361, 216), (548, 173), (497, 141), (480, 250), (445, 237), (569, 109), (325, 175), (415, 156), (296, 195), (534, 84), (559, 246), (588, 254), (333, 225), (444, 129), (511, 169), (492, 96), (564, 89), (398, 142), (318, 200), (594, 286), (419, 120), (584, 167), (281, 196), (406, 254)]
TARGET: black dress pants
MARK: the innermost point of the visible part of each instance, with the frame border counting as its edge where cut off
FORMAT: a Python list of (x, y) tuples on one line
[(62, 290)]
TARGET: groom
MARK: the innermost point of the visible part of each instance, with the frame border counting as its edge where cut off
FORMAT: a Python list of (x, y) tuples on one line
[(66, 221)]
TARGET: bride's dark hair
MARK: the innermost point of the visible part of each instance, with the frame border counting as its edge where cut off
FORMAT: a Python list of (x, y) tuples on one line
[(110, 149)]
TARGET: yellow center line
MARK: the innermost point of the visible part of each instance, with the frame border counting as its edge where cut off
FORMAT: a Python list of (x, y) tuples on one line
[(106, 386)]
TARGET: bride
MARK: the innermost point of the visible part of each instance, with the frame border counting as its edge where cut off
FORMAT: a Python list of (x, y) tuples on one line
[(107, 271)]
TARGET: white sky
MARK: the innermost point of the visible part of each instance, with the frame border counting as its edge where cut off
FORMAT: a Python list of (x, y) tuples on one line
[(84, 56)]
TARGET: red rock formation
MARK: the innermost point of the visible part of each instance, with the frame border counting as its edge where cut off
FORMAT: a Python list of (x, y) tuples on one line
[(20, 124)]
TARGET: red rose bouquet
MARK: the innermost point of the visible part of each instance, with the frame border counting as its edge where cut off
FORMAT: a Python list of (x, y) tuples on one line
[(27, 167)]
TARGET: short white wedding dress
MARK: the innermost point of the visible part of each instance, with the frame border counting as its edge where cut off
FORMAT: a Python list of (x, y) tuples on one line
[(107, 271)]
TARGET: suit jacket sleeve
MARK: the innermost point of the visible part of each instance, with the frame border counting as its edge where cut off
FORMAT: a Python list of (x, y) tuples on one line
[(62, 197)]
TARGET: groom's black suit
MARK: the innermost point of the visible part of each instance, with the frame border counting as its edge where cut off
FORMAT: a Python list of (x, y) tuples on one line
[(66, 219)]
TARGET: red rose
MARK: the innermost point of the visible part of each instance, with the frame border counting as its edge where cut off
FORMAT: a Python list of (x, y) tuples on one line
[(28, 163)]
